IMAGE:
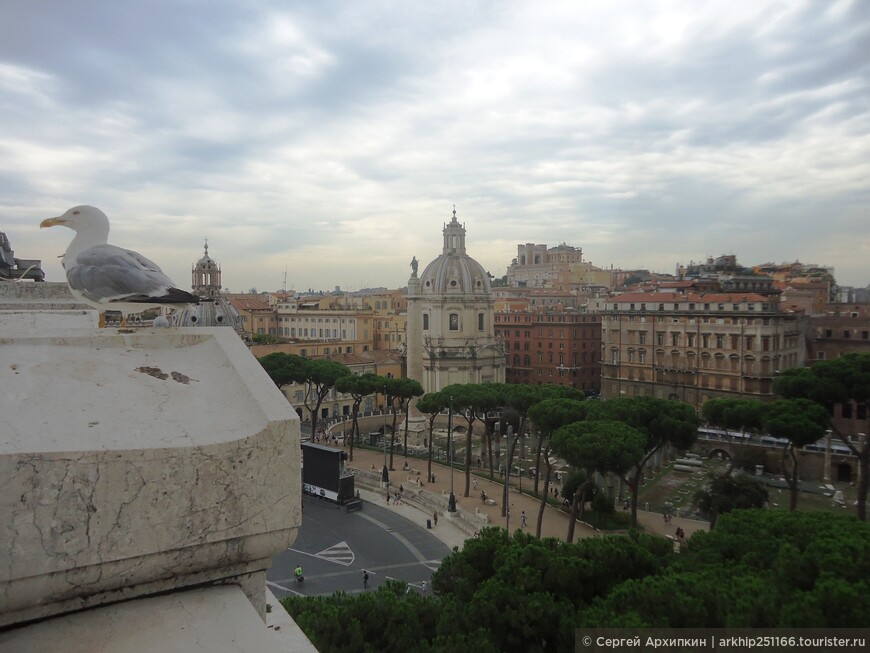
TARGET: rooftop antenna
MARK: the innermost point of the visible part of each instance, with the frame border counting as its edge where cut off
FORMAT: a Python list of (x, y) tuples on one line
[(284, 286)]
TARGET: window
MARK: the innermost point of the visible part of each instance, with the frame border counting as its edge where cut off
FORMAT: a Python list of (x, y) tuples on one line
[(660, 338), (720, 341), (453, 321), (641, 337), (675, 339)]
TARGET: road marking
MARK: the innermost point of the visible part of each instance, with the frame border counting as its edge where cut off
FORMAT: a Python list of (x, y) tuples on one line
[(413, 549), (340, 554), (281, 587)]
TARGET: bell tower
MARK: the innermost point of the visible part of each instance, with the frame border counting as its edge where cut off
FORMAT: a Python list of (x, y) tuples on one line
[(206, 277)]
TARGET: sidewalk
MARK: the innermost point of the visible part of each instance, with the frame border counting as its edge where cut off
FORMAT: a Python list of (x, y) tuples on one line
[(554, 524)]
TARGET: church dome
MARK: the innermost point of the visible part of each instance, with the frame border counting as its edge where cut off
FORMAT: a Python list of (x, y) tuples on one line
[(454, 272)]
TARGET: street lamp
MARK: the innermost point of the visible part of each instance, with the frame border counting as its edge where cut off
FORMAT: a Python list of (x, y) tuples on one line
[(451, 502), (385, 473)]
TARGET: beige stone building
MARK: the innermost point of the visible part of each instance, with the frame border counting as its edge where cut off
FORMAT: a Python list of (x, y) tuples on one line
[(257, 315), (696, 347), (561, 267)]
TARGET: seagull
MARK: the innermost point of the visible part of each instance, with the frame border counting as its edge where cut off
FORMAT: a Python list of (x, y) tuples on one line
[(110, 278)]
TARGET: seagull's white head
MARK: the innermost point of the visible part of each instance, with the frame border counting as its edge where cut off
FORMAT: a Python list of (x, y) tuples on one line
[(81, 219)]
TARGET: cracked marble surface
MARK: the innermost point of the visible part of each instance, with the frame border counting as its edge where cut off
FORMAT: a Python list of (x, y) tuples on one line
[(133, 463)]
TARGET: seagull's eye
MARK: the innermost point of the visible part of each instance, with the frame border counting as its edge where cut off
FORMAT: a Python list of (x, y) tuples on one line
[(75, 212)]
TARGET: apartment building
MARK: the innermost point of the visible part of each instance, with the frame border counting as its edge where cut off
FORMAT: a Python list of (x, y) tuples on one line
[(842, 329), (695, 347), (551, 346), (256, 313)]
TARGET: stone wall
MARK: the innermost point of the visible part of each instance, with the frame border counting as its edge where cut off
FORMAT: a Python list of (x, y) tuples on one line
[(138, 463)]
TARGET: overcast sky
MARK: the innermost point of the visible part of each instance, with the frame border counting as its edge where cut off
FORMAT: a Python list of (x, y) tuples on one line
[(333, 139)]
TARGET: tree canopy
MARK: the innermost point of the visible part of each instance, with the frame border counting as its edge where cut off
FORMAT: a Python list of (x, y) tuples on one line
[(318, 376), (842, 380), (600, 446), (729, 491), (661, 421), (358, 386), (801, 422), (758, 569)]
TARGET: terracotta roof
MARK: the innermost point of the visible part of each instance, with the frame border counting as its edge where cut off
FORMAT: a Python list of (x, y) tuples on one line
[(250, 303), (671, 298), (676, 284)]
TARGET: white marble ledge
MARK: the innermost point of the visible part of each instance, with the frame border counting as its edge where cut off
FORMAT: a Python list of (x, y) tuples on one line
[(216, 619), (103, 390)]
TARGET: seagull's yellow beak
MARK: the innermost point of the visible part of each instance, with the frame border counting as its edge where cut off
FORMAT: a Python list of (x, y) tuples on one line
[(51, 222)]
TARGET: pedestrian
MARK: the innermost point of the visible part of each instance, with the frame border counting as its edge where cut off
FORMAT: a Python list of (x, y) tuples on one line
[(423, 587), (483, 497), (401, 490), (435, 517), (474, 484), (365, 579), (523, 519), (388, 497)]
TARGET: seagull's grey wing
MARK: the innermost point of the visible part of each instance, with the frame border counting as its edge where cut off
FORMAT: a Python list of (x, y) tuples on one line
[(106, 273)]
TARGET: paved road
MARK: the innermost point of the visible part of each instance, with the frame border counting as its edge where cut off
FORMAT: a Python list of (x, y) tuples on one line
[(334, 547)]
